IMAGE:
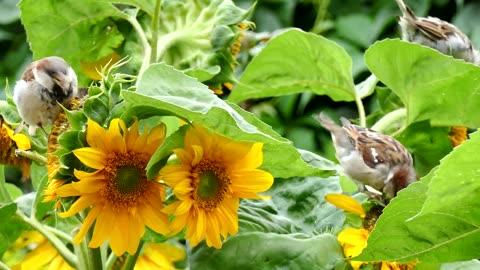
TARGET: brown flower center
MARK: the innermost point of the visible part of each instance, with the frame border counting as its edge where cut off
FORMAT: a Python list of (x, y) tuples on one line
[(126, 179), (210, 185)]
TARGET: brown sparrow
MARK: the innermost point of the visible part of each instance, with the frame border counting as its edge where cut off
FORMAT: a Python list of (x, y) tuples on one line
[(44, 85), (436, 34), (370, 157)]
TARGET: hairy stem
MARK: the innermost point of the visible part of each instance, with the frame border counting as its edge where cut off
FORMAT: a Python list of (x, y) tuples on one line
[(67, 255), (154, 39), (389, 119)]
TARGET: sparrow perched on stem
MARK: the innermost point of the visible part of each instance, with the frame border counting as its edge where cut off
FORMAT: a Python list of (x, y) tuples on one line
[(436, 34), (44, 85), (370, 157)]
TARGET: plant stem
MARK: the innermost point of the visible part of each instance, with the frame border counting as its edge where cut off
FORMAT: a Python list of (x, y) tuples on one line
[(4, 195), (60, 234), (361, 111), (390, 118), (3, 266), (91, 258), (67, 255), (32, 155), (147, 50), (154, 39), (110, 261), (132, 259)]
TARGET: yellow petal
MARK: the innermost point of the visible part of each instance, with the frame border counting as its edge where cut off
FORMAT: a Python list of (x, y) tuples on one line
[(83, 202), (254, 157), (91, 157), (212, 233), (132, 136), (155, 220), (87, 223), (96, 135), (353, 241), (22, 141), (40, 256), (156, 137), (103, 226), (116, 129), (247, 183), (346, 203)]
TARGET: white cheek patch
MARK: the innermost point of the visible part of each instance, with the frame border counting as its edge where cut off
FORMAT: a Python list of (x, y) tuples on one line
[(43, 78)]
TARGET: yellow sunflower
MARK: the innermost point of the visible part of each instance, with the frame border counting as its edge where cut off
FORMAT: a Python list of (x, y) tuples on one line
[(42, 256), (213, 174), (161, 256), (122, 200), (354, 240)]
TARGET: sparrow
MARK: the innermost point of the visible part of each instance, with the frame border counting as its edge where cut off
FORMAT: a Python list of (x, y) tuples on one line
[(369, 157), (44, 85), (436, 34)]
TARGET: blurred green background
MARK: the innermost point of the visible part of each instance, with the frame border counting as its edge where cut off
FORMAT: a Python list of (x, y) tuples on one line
[(354, 24)]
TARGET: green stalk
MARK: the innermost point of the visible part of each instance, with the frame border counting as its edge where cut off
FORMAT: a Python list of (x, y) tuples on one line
[(154, 39), (361, 111), (91, 258), (132, 259), (4, 195), (390, 118), (32, 155), (110, 261), (67, 255), (147, 50), (3, 266)]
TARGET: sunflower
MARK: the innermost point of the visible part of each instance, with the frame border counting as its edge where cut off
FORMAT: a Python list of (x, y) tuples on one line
[(354, 240), (9, 143), (213, 174), (122, 200), (40, 254), (160, 256), (60, 126)]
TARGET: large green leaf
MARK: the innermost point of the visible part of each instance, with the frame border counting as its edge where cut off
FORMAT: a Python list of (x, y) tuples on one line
[(437, 219), (162, 90), (302, 200), (270, 251), (75, 30), (11, 228), (432, 85), (294, 62)]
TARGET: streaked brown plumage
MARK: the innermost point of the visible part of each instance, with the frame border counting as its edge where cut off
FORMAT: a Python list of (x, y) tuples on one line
[(44, 84), (370, 157), (437, 34)]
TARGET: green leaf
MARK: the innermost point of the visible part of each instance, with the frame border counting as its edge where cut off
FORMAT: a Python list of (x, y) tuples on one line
[(4, 193), (76, 119), (9, 113), (391, 227), (270, 251), (427, 145), (263, 216), (294, 62), (437, 219), (203, 74), (14, 191), (39, 173), (96, 109), (302, 200), (11, 227), (182, 96), (160, 157), (71, 139), (74, 30), (433, 86)]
